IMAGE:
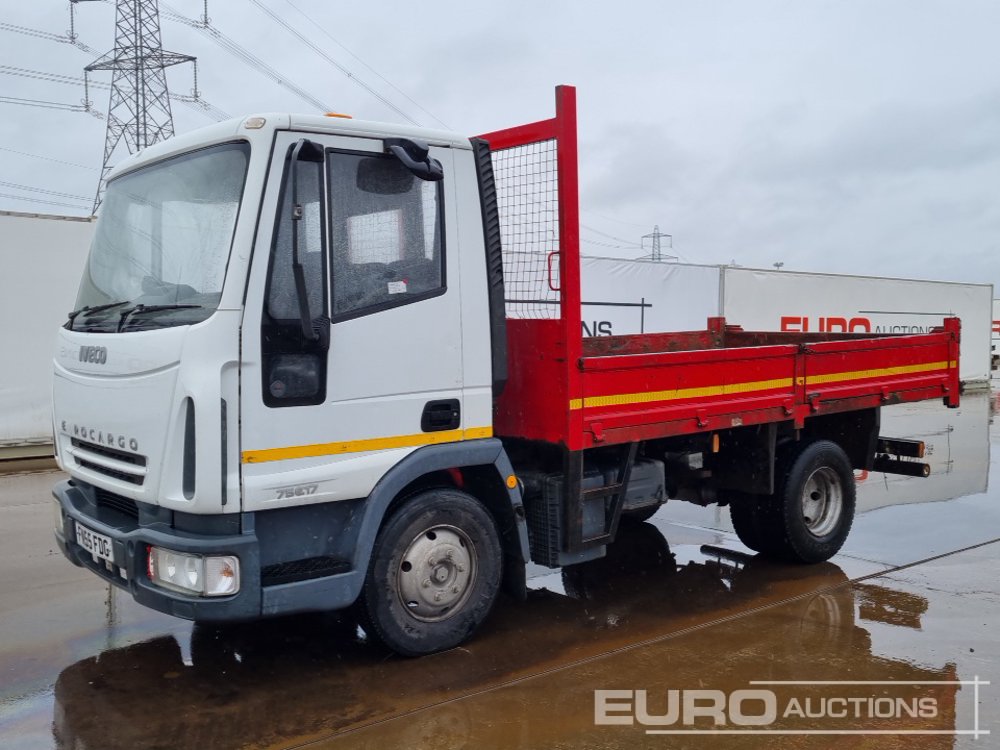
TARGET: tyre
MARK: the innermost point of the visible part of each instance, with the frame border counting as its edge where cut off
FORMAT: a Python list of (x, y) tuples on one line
[(434, 575), (639, 558), (749, 514), (640, 515), (810, 514)]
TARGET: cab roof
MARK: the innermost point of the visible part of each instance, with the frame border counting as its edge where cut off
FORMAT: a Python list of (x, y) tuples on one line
[(320, 124)]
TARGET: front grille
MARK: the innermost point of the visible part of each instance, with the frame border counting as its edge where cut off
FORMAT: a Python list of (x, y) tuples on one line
[(302, 570), (102, 450), (113, 473), (109, 462), (121, 504)]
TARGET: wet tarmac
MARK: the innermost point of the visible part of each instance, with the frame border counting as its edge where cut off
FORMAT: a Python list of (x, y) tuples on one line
[(911, 603)]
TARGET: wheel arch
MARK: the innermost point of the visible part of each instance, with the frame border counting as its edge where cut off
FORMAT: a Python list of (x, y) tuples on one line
[(856, 432), (484, 467)]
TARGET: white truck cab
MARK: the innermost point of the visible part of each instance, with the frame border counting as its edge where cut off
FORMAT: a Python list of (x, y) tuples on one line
[(286, 325)]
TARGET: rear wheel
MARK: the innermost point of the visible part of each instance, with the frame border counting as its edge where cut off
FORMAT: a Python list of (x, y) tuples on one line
[(809, 516), (434, 575), (749, 516), (640, 515)]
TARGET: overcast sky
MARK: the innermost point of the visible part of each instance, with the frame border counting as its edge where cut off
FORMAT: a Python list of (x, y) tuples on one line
[(850, 136)]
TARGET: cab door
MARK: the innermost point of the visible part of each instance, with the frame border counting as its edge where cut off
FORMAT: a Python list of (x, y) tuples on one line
[(352, 350)]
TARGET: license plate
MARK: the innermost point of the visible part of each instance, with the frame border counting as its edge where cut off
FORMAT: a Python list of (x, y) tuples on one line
[(98, 545)]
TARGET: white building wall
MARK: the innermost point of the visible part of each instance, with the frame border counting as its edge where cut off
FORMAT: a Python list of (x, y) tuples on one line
[(995, 341), (632, 296), (41, 258), (790, 301)]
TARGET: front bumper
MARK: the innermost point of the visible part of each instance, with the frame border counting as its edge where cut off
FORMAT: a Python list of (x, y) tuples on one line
[(130, 539)]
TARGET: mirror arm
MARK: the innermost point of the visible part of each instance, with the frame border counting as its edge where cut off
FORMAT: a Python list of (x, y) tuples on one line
[(429, 168)]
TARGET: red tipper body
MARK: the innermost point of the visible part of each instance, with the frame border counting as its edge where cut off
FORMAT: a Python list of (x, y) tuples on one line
[(588, 392)]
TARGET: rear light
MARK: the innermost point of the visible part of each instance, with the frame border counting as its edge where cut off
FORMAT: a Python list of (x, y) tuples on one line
[(217, 575)]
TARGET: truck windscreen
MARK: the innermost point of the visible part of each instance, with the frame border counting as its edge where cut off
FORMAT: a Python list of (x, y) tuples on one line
[(162, 242)]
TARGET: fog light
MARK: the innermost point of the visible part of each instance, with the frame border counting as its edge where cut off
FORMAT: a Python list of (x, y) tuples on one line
[(194, 574)]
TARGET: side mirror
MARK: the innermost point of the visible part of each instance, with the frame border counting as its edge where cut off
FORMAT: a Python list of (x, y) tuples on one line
[(415, 156), (382, 176)]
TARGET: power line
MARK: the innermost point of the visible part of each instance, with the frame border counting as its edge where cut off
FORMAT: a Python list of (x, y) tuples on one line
[(34, 32), (243, 55), (198, 103), (49, 105), (48, 158), (343, 69), (370, 69), (607, 244), (31, 189), (48, 35), (195, 102), (41, 200), (43, 76), (610, 236)]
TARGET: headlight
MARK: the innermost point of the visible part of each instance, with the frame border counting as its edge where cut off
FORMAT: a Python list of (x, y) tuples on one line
[(194, 574)]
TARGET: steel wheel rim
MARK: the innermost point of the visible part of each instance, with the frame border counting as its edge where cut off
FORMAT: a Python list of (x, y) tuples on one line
[(436, 574), (822, 501)]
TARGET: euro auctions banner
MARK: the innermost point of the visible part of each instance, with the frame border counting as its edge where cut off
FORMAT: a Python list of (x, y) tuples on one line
[(629, 296), (791, 301)]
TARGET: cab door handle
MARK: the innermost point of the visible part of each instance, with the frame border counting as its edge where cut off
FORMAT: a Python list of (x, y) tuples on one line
[(445, 414)]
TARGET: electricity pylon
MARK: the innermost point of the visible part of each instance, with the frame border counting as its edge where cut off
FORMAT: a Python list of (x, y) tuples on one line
[(139, 109)]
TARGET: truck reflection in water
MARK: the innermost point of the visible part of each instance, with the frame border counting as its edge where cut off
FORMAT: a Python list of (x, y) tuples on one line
[(958, 451), (633, 620)]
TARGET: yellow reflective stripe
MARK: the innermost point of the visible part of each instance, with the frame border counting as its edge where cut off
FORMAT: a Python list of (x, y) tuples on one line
[(369, 444), (877, 373), (624, 399), (474, 433)]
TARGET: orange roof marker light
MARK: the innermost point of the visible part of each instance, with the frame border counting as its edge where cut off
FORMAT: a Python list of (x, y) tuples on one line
[(338, 114)]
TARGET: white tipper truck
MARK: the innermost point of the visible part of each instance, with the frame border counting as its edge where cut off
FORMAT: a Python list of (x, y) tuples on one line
[(295, 337)]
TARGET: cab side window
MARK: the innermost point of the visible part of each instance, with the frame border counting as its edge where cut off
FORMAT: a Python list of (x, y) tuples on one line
[(385, 235), (294, 362), (282, 302)]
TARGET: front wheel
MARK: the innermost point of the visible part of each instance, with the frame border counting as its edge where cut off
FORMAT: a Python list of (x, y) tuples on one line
[(434, 575)]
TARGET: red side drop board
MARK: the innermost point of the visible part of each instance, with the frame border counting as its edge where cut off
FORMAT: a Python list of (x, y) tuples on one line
[(586, 392)]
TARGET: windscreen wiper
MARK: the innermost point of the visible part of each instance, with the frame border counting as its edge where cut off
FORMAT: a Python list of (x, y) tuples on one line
[(87, 309), (141, 308)]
